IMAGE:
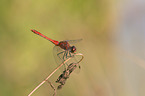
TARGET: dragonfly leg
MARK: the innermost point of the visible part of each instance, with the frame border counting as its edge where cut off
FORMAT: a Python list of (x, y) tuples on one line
[(63, 58), (60, 53), (66, 54), (70, 54)]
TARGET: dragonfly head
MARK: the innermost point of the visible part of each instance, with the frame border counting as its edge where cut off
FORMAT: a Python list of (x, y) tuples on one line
[(73, 49)]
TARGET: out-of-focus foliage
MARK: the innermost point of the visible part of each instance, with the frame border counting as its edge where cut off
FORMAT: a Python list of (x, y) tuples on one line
[(26, 59)]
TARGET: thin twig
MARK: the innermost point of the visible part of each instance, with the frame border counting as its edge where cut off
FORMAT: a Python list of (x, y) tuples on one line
[(54, 72)]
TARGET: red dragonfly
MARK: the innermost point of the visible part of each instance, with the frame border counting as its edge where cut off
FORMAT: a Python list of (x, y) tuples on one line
[(62, 50)]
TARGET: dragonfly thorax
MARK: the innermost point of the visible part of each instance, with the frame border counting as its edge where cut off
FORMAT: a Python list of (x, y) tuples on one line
[(66, 46)]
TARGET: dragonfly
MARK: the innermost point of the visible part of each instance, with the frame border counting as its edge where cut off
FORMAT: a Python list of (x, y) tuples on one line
[(62, 50)]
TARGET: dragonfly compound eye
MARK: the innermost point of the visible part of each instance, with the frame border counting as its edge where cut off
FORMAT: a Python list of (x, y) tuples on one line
[(73, 49)]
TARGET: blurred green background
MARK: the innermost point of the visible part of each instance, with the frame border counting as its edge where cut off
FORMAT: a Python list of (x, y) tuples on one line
[(26, 59)]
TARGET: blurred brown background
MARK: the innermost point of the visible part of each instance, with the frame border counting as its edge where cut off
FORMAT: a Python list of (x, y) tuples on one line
[(113, 45)]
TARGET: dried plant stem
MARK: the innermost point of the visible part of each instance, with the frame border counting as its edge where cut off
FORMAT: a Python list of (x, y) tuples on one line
[(52, 86), (54, 72)]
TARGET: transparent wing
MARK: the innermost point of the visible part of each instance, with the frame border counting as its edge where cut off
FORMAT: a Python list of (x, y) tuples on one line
[(74, 41), (58, 59)]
